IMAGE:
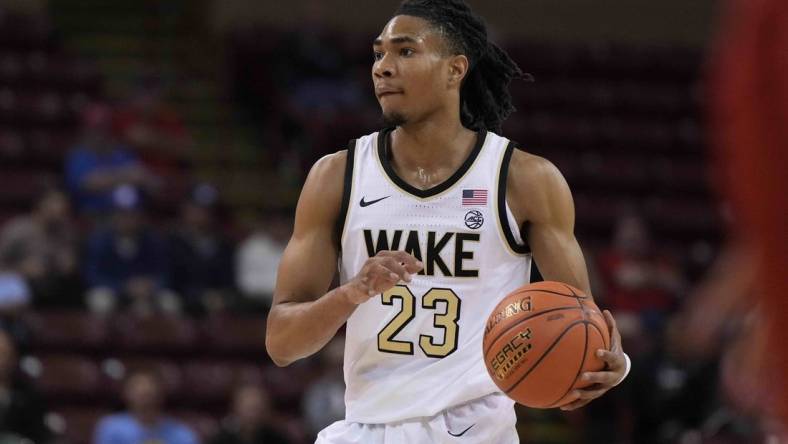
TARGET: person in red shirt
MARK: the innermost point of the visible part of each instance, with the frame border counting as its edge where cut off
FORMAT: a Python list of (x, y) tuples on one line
[(153, 128), (638, 278), (749, 115)]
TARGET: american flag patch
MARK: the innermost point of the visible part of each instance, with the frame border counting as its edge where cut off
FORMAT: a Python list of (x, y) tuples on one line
[(474, 197)]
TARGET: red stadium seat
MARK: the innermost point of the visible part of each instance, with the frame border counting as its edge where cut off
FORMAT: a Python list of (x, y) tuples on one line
[(292, 427), (49, 147), (21, 186), (214, 381), (178, 186), (279, 382), (78, 423), (65, 376), (672, 174), (11, 69), (8, 106), (67, 330), (12, 145), (236, 334), (156, 334), (683, 218)]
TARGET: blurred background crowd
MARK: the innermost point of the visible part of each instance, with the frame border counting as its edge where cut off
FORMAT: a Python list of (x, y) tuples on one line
[(151, 153)]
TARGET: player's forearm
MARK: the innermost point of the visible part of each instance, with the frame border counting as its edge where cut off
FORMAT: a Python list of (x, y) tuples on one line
[(299, 329)]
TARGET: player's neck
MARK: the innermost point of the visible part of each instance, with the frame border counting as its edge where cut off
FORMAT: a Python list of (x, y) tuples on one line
[(431, 144)]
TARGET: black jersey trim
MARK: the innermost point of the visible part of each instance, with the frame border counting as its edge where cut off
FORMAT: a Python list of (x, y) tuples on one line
[(348, 187), (384, 153), (502, 217)]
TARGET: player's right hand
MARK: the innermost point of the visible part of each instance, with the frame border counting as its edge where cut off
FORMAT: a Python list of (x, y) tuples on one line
[(381, 272)]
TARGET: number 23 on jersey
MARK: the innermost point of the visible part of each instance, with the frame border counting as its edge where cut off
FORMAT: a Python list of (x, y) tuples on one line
[(447, 321)]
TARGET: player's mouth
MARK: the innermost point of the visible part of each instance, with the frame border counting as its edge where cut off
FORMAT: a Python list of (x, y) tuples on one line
[(387, 91)]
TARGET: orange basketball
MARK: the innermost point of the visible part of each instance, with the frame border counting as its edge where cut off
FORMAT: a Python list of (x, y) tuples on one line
[(539, 340)]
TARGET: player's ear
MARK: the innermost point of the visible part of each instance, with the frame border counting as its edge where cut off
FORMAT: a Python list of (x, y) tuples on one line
[(458, 69)]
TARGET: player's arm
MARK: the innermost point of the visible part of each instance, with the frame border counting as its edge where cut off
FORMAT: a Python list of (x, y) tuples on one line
[(539, 196), (540, 200), (305, 315)]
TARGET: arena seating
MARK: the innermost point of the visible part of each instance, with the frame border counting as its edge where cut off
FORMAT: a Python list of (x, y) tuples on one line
[(78, 361), (621, 123)]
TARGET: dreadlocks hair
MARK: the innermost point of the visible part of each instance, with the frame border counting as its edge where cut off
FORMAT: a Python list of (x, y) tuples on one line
[(485, 101)]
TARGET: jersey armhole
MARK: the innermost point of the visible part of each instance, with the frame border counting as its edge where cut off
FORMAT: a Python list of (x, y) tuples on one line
[(347, 188), (504, 214)]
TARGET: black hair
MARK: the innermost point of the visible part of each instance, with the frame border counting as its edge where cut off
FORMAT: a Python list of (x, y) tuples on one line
[(485, 101)]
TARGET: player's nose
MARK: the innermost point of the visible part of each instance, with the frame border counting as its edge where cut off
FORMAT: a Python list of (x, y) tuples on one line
[(383, 67)]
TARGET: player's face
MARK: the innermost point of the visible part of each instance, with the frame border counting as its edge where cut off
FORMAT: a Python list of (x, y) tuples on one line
[(410, 70)]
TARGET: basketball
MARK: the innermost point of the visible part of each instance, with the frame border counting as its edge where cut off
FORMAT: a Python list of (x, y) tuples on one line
[(538, 341)]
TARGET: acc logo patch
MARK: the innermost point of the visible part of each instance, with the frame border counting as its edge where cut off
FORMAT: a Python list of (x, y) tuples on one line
[(474, 219)]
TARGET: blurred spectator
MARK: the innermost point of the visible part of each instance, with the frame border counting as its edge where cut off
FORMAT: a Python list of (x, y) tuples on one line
[(324, 398), (44, 243), (250, 421), (126, 261), (14, 291), (98, 164), (635, 277), (671, 400), (15, 297), (21, 409), (154, 129), (315, 70), (145, 420), (258, 258), (201, 257)]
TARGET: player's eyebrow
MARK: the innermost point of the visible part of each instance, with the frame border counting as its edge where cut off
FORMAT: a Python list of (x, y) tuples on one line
[(395, 40)]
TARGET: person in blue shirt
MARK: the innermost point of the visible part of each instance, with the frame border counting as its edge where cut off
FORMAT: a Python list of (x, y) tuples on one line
[(201, 257), (126, 263), (98, 164), (145, 421)]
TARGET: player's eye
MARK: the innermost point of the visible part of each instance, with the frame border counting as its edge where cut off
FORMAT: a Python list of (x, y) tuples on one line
[(406, 52), (378, 56)]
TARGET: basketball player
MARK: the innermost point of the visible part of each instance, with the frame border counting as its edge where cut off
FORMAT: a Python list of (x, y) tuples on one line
[(431, 221)]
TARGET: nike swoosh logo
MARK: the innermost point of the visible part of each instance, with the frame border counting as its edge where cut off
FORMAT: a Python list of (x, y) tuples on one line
[(366, 204), (463, 432)]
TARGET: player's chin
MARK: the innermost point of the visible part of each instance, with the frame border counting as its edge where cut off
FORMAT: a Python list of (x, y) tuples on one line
[(392, 103), (392, 118)]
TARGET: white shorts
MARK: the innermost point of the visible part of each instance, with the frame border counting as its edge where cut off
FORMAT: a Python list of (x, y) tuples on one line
[(487, 420)]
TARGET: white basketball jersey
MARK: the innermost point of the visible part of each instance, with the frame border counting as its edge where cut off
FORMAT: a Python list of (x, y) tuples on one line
[(416, 349)]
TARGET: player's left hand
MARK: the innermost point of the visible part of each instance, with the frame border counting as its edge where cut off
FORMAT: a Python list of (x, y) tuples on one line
[(605, 380)]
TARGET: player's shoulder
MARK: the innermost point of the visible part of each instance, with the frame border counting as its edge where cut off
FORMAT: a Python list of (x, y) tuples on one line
[(331, 163), (535, 187), (327, 174), (530, 171), (321, 196)]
